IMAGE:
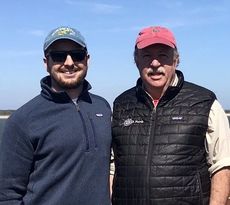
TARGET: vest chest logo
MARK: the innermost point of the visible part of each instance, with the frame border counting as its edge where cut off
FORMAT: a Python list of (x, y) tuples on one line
[(177, 118), (130, 121)]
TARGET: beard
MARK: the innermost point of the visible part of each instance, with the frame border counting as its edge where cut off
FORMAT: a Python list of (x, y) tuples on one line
[(65, 85), (59, 82)]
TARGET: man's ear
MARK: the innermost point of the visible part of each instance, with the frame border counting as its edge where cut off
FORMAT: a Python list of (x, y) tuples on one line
[(136, 62), (87, 59), (177, 61), (45, 61), (135, 56)]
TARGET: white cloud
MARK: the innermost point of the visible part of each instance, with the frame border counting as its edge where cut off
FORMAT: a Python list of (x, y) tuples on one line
[(21, 53), (105, 8), (37, 33), (209, 9), (168, 4), (95, 7), (33, 32)]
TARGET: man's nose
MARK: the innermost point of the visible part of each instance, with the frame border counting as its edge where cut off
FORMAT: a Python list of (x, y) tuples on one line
[(155, 63), (68, 61)]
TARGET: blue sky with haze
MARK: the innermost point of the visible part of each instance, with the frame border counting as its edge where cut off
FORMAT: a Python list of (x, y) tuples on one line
[(202, 30)]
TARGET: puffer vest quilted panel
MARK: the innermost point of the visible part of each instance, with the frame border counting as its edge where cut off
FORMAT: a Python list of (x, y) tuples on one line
[(159, 153)]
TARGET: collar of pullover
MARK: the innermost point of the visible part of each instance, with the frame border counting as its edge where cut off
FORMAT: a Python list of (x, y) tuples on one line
[(62, 96)]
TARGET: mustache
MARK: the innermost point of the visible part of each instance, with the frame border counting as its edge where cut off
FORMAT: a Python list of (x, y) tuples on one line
[(152, 71), (71, 69)]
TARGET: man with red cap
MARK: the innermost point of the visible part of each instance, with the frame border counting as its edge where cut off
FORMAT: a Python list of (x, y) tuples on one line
[(171, 138)]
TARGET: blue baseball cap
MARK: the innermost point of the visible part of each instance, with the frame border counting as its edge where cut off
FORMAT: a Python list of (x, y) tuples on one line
[(64, 32)]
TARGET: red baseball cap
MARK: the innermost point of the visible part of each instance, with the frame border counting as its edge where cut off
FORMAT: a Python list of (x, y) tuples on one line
[(153, 35)]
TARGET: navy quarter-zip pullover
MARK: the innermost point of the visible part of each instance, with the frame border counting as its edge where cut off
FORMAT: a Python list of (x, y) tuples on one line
[(56, 152)]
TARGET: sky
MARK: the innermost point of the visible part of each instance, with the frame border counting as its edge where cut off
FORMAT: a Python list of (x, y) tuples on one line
[(201, 28)]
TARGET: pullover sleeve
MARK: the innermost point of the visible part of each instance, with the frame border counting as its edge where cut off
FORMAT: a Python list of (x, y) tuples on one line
[(16, 157)]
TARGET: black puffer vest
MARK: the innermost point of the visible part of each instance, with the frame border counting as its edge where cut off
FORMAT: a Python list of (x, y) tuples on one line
[(160, 157)]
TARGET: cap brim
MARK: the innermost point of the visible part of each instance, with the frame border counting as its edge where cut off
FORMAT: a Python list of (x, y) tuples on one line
[(151, 41), (63, 38)]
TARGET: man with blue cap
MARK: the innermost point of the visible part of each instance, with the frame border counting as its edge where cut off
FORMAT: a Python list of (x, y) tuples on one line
[(55, 149)]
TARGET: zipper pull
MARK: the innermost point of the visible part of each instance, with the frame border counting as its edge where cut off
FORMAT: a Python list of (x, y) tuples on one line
[(76, 105)]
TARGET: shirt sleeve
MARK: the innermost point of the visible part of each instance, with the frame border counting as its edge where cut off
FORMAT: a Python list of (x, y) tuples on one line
[(217, 139), (16, 157)]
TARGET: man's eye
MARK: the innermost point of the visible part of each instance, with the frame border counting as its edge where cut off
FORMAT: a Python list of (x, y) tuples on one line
[(147, 56), (163, 55)]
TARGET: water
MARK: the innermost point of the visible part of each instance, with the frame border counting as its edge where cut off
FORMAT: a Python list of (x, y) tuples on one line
[(2, 123)]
